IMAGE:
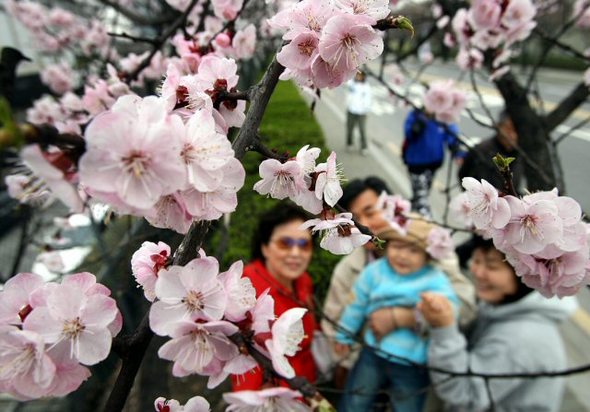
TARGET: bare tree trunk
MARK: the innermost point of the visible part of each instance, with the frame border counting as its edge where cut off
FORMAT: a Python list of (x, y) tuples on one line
[(533, 137)]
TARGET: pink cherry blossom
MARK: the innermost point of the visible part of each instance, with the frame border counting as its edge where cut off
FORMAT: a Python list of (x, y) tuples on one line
[(58, 182), (78, 321), (327, 186), (212, 205), (14, 297), (69, 374), (395, 210), (287, 333), (187, 293), (485, 14), (468, 59), (533, 225), (195, 345), (272, 399), (25, 367), (59, 77), (372, 9), (280, 180), (440, 243), (194, 404), (461, 209), (146, 262), (244, 42), (347, 42), (300, 52), (240, 292), (170, 212), (304, 16), (217, 72), (125, 155), (339, 235), (488, 210), (204, 152), (227, 9)]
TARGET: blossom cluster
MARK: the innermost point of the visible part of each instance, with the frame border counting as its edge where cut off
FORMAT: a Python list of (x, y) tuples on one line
[(542, 235), (200, 308), (317, 189), (396, 212), (194, 404), (55, 29), (329, 40), (445, 101), (50, 332), (491, 25)]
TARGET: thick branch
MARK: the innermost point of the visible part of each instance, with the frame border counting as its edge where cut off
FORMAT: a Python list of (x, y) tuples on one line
[(567, 106), (137, 18), (159, 42), (133, 348), (259, 98)]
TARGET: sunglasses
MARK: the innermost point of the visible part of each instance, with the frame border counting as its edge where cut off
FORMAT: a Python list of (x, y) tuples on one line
[(287, 243)]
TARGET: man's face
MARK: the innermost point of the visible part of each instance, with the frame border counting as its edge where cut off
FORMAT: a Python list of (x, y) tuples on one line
[(507, 134), (364, 211)]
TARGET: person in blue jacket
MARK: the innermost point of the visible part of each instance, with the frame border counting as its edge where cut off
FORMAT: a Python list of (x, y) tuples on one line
[(392, 361), (423, 153)]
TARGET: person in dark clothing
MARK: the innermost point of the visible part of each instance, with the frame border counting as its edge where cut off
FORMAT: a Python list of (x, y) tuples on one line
[(478, 162), (479, 165), (423, 153)]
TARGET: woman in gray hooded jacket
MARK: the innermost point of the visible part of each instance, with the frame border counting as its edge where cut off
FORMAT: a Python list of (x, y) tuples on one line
[(516, 331)]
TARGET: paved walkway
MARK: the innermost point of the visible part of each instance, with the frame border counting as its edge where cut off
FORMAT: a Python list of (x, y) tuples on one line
[(383, 160)]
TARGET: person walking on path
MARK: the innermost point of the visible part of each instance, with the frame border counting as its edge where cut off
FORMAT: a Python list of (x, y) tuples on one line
[(423, 153), (358, 103)]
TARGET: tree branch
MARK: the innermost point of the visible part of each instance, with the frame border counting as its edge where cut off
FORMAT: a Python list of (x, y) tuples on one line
[(567, 106)]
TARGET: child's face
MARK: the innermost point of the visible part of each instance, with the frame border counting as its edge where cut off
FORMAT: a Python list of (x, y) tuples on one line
[(405, 257)]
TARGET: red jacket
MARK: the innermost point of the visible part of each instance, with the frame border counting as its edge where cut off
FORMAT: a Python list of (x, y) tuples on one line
[(302, 296)]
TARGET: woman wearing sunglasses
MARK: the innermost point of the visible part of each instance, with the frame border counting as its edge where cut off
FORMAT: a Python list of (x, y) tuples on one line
[(281, 253)]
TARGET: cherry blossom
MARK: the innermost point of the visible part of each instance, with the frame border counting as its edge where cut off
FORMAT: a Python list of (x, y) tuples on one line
[(244, 42), (373, 9), (14, 297), (27, 370), (194, 404), (280, 180), (187, 293), (532, 226), (78, 321), (488, 210), (239, 291), (440, 243), (395, 210), (339, 235), (146, 262), (327, 186), (272, 399), (59, 77), (287, 333), (347, 42), (124, 155), (194, 346)]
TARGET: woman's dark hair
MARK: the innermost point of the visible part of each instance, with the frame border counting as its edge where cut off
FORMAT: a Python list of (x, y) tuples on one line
[(487, 245), (357, 186), (283, 212)]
